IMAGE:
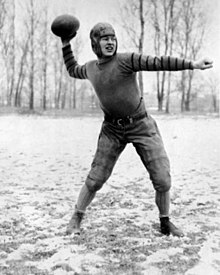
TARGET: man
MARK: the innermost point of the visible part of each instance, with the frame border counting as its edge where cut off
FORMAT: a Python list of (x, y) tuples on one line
[(113, 76)]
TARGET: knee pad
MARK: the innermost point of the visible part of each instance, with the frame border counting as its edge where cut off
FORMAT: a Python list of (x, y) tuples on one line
[(93, 185), (162, 183), (159, 170), (96, 178)]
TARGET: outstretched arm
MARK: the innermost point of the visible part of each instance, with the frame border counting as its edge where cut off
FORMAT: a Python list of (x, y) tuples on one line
[(141, 62), (203, 64)]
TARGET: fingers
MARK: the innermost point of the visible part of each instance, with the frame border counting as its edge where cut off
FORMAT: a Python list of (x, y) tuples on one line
[(73, 35), (66, 40), (207, 64)]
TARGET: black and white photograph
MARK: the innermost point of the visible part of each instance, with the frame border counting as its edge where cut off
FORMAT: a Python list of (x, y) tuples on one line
[(110, 137)]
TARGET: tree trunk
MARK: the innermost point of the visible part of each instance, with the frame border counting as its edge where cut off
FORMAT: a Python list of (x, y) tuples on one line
[(141, 41), (21, 74), (171, 29), (188, 94), (190, 41), (167, 110), (32, 53), (183, 88), (63, 102), (12, 56), (159, 95), (133, 10), (59, 90), (45, 57), (74, 94)]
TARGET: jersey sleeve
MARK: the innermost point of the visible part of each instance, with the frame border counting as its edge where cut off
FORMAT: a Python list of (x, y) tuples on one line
[(74, 69), (154, 63)]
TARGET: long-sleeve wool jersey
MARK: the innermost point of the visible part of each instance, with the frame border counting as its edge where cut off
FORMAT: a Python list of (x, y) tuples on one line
[(114, 79)]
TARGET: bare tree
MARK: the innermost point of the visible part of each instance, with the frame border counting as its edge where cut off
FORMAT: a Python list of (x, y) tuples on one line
[(164, 21), (2, 13), (214, 86), (173, 18), (190, 38), (21, 73), (77, 49), (133, 18), (32, 52), (45, 55), (58, 71), (7, 24), (31, 23), (12, 54), (2, 20)]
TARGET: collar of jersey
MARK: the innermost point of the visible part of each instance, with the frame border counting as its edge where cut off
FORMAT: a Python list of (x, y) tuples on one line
[(104, 60)]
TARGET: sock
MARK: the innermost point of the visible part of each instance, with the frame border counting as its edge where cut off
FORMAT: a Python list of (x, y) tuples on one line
[(164, 220), (85, 198), (163, 203)]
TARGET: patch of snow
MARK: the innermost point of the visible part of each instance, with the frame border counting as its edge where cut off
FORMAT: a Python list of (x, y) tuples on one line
[(66, 257), (151, 270), (163, 255), (5, 239), (21, 252), (210, 257)]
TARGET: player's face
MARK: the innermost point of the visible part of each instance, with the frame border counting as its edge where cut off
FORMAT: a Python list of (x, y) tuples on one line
[(108, 45)]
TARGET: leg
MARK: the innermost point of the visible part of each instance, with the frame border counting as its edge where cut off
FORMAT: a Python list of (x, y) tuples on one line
[(159, 170), (160, 176), (162, 200), (84, 199), (151, 150), (108, 150)]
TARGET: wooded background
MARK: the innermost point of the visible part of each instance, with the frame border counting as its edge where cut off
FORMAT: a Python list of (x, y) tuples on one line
[(33, 75)]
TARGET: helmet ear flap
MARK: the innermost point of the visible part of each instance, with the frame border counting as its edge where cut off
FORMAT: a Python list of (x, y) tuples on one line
[(96, 47)]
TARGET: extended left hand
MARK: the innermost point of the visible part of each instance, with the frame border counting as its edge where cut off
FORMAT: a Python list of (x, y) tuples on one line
[(203, 64)]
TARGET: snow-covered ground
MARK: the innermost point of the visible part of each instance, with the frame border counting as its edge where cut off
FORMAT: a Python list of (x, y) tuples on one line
[(44, 162)]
